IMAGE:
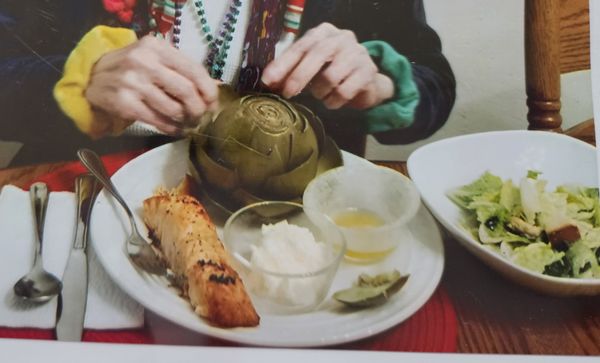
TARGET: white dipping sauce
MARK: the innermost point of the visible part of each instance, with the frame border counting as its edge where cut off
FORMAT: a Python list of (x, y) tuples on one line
[(289, 249)]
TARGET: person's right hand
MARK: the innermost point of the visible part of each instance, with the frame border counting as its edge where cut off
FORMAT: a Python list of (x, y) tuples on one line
[(153, 82)]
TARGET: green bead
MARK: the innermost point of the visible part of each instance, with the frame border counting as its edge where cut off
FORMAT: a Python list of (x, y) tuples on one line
[(218, 43)]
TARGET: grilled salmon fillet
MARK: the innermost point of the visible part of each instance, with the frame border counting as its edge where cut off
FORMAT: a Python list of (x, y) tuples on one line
[(181, 228)]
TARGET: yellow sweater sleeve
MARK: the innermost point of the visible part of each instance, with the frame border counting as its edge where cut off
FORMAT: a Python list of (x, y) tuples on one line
[(69, 92)]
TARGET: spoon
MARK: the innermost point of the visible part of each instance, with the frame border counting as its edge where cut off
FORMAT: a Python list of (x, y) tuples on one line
[(140, 252), (38, 285)]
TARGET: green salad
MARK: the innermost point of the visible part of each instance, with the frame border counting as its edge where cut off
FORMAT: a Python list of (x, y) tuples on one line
[(556, 232)]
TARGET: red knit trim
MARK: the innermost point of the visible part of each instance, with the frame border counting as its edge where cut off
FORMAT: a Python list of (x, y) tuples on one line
[(298, 3)]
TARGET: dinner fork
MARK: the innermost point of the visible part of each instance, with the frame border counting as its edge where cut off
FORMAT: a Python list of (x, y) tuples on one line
[(140, 252)]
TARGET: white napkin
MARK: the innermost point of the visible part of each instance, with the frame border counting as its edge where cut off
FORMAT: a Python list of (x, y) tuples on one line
[(107, 306)]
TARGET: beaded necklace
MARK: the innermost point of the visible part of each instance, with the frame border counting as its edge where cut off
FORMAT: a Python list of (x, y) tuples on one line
[(166, 15), (219, 43)]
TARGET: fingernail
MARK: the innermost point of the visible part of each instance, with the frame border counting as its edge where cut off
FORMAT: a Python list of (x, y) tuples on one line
[(331, 105), (266, 79), (292, 89), (213, 106)]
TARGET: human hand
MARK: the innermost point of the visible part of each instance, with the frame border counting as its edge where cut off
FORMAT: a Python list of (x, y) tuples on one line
[(152, 82), (334, 66)]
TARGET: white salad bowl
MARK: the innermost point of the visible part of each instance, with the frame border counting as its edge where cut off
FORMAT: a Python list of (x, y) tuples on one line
[(444, 165)]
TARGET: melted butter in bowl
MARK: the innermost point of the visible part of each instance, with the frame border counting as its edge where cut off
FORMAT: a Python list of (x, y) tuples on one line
[(362, 224), (371, 205), (358, 218)]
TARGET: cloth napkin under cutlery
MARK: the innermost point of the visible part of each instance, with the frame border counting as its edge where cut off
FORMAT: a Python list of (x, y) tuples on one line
[(107, 306)]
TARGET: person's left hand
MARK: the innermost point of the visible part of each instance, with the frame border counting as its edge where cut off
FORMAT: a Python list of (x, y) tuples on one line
[(334, 66)]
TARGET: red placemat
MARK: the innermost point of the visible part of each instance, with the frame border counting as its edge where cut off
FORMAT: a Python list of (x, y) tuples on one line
[(431, 329)]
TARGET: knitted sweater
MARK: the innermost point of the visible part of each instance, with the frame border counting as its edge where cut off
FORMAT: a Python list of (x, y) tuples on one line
[(37, 36)]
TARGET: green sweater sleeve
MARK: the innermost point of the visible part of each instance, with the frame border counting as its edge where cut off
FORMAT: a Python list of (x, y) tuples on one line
[(399, 111)]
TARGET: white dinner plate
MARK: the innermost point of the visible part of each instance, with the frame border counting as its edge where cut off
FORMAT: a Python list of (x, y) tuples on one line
[(327, 325)]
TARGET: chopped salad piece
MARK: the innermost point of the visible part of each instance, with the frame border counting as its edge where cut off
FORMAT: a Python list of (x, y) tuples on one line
[(556, 232)]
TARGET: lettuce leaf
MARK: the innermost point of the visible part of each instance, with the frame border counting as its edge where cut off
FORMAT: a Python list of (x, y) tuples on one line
[(582, 203), (583, 260), (535, 256), (494, 208), (510, 197), (488, 184)]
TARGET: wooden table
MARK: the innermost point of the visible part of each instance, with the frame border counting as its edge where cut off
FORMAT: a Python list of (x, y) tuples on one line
[(494, 315)]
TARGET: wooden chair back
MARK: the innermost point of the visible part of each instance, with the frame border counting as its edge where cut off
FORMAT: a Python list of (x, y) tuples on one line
[(556, 41)]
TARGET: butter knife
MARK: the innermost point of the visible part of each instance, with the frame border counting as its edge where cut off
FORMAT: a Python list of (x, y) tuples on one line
[(73, 298)]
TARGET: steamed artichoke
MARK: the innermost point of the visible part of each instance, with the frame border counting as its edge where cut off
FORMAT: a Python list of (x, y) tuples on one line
[(260, 147)]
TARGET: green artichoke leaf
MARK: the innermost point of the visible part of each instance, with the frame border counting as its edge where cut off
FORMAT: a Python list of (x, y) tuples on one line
[(260, 136), (242, 122), (278, 124), (329, 157), (315, 123), (215, 173), (196, 130), (292, 183), (261, 146), (251, 166), (302, 145), (272, 117)]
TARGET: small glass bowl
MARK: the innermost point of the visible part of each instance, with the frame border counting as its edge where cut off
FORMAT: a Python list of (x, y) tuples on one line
[(369, 193), (276, 288)]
